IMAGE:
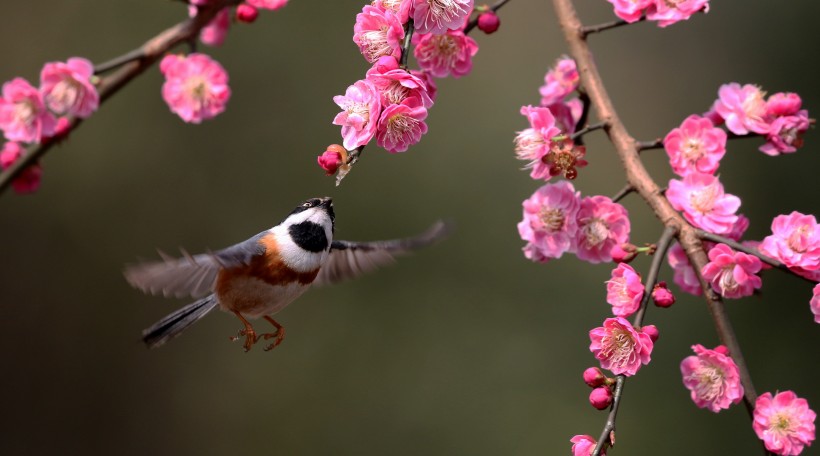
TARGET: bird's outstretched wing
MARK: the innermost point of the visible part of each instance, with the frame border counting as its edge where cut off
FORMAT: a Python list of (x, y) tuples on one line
[(351, 259), (191, 275)]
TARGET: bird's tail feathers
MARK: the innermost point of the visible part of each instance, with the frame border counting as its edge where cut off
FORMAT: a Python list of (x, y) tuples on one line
[(173, 325)]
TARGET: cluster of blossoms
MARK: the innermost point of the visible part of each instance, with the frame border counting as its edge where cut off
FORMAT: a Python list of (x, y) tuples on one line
[(216, 31), (30, 115), (665, 12)]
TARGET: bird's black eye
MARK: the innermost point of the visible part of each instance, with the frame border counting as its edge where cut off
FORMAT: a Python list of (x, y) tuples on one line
[(307, 204)]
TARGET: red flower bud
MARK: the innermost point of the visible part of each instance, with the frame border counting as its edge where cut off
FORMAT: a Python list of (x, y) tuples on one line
[(651, 331), (600, 397), (246, 13), (662, 296), (334, 157), (594, 377), (623, 253), (488, 22)]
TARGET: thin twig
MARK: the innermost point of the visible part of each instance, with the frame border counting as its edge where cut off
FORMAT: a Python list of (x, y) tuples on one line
[(474, 22), (405, 47), (622, 193), (119, 61), (578, 134), (149, 52), (590, 29)]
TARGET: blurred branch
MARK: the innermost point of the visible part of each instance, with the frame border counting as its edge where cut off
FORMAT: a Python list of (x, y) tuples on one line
[(590, 29), (131, 65), (622, 193), (578, 134)]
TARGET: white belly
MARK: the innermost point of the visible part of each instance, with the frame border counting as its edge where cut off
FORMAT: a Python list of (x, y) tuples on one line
[(254, 298)]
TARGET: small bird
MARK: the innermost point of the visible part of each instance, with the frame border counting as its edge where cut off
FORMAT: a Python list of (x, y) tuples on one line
[(260, 276)]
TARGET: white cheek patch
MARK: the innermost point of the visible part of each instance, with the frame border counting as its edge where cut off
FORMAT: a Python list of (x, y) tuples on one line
[(295, 257)]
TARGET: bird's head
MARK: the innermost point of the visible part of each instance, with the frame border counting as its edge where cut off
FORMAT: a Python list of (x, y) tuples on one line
[(311, 224)]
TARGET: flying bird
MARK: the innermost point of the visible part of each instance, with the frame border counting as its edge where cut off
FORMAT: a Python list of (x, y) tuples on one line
[(260, 276)]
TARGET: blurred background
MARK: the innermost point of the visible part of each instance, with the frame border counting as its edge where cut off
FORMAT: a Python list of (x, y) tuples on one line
[(464, 348)]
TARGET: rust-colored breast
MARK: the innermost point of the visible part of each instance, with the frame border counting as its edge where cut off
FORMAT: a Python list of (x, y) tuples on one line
[(268, 267)]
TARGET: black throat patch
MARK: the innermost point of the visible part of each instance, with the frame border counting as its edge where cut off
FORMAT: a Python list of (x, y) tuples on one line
[(309, 236)]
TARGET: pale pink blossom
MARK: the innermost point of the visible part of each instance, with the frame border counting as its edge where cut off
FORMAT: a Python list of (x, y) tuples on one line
[(624, 290), (743, 108), (533, 144), (361, 108), (438, 16), (196, 87), (619, 347), (67, 87), (783, 104), (712, 377), (401, 8), (601, 225), (814, 304), (695, 146), (684, 275), (784, 422), (795, 241), (584, 445), (268, 4), (401, 125), (732, 274), (215, 32), (667, 12), (28, 181), (549, 222), (703, 202), (560, 81), (396, 85), (23, 114), (378, 33), (786, 134), (567, 114), (630, 10), (449, 53)]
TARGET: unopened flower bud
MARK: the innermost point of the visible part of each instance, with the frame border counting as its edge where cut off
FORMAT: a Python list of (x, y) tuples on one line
[(722, 350), (594, 377), (246, 13), (488, 22), (623, 253), (334, 157), (651, 331), (600, 397), (662, 296)]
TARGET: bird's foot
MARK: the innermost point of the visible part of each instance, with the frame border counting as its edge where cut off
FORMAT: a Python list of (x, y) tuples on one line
[(279, 335), (250, 338)]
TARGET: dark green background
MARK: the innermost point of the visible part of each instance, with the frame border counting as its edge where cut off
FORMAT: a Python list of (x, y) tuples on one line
[(466, 348)]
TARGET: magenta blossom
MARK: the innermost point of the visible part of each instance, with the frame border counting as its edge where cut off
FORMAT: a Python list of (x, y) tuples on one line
[(784, 422), (567, 115), (268, 4), (684, 275), (549, 223), (584, 445), (396, 85), (814, 304), (667, 12), (67, 87), (786, 134), (429, 82), (602, 224), (743, 108), (23, 114), (732, 274), (533, 144), (401, 125), (740, 227), (28, 181), (695, 146), (783, 104), (560, 81), (619, 347), (624, 290), (450, 53), (630, 10), (704, 204), (361, 108), (196, 87), (712, 377), (378, 33), (438, 16), (215, 32), (795, 241)]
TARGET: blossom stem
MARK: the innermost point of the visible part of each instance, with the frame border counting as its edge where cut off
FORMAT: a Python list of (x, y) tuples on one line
[(474, 22), (597, 126), (116, 62), (590, 29), (622, 193), (131, 67), (405, 47)]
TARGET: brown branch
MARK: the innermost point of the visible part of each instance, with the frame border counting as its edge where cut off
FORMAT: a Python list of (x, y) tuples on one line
[(131, 67), (580, 133), (639, 178), (622, 193), (405, 46), (590, 29), (474, 22)]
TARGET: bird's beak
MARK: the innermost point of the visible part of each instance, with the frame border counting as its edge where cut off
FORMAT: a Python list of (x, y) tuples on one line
[(326, 201)]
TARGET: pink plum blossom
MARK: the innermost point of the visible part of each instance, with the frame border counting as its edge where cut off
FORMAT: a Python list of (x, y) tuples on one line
[(601, 225), (67, 87), (23, 114), (560, 81), (438, 16), (624, 290), (533, 144), (549, 222), (28, 181), (740, 227), (786, 134), (684, 275), (619, 347), (732, 274), (268, 4), (743, 108), (712, 377), (361, 108), (450, 53), (795, 241), (584, 445), (704, 204), (783, 104), (401, 125), (567, 114), (429, 82), (695, 146), (814, 304), (401, 8), (396, 85), (378, 33), (667, 12), (784, 422), (215, 32), (630, 10), (196, 87)]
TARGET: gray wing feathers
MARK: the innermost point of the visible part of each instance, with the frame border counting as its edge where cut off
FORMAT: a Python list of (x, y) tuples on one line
[(351, 259), (178, 321), (190, 275)]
